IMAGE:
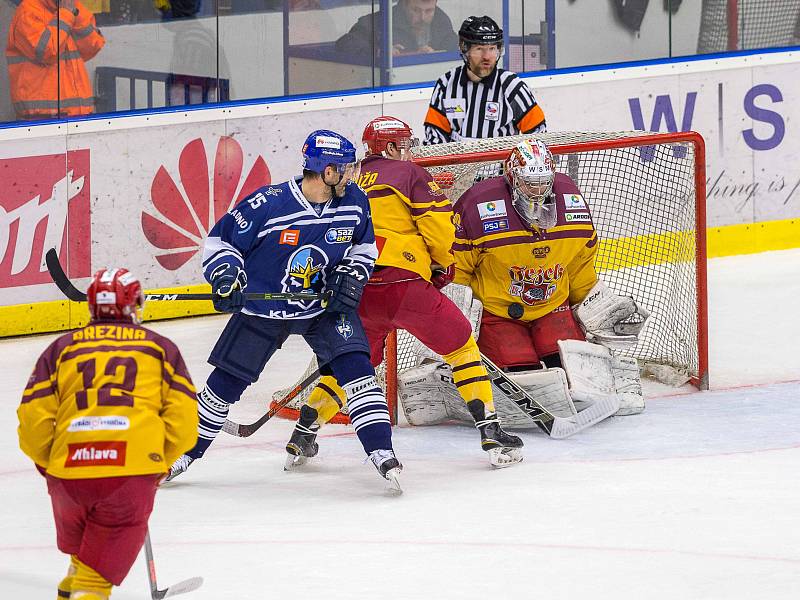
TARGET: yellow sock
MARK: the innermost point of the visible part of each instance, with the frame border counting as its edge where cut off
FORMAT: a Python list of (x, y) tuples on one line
[(88, 584), (470, 375), (327, 398), (65, 585)]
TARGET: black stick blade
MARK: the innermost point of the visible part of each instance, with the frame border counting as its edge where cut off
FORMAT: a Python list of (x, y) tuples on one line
[(60, 278)]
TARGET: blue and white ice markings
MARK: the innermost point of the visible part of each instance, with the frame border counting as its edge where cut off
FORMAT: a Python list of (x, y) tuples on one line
[(303, 246)]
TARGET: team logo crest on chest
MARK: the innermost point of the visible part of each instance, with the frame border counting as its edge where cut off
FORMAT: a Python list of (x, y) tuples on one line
[(305, 274), (534, 285)]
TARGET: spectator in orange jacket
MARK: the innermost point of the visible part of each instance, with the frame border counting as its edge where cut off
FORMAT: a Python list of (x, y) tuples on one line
[(47, 47)]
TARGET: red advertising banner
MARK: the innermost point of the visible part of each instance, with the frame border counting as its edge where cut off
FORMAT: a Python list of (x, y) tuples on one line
[(180, 223), (45, 203)]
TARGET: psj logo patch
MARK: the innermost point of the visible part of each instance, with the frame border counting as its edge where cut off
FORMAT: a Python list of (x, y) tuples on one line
[(490, 226)]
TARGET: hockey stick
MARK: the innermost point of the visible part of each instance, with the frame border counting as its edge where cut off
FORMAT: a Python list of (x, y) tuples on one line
[(70, 291), (181, 587), (556, 427), (518, 395), (247, 430)]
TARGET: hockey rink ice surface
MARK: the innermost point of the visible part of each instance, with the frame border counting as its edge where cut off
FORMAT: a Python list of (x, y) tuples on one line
[(696, 498)]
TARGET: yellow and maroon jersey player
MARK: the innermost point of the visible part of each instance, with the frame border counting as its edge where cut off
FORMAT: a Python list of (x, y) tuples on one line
[(106, 411), (414, 232), (110, 385), (527, 253), (411, 215), (506, 262)]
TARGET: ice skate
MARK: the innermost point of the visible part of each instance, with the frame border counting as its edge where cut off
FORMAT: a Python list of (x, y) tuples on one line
[(179, 466), (389, 468), (504, 449), (302, 445)]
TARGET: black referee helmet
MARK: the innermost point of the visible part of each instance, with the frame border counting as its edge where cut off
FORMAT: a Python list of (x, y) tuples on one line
[(479, 30)]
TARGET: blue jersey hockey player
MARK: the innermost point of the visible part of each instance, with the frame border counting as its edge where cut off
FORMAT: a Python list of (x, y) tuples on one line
[(312, 234)]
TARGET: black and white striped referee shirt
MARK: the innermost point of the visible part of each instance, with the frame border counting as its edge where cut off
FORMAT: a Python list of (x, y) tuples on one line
[(498, 105)]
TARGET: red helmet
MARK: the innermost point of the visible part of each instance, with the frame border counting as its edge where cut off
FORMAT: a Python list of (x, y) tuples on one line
[(382, 130), (115, 295)]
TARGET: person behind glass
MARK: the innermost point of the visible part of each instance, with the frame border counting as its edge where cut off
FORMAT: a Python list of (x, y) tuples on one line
[(48, 44), (478, 99), (418, 27), (177, 9)]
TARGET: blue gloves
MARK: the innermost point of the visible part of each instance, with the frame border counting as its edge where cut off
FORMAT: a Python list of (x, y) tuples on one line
[(344, 289), (227, 284)]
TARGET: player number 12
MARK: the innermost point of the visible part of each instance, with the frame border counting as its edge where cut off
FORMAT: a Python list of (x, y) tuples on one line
[(88, 369)]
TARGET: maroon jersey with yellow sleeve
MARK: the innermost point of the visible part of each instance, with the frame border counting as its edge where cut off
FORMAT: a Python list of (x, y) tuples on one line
[(111, 399), (505, 262), (411, 215)]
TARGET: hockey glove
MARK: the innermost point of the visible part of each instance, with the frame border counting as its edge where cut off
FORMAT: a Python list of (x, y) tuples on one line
[(441, 276), (227, 284), (344, 289), (611, 320)]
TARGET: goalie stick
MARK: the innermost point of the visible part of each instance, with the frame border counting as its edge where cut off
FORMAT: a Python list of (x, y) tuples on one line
[(555, 427), (70, 291), (182, 587), (247, 430)]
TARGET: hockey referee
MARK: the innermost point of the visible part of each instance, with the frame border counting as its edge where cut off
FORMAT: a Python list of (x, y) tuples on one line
[(478, 99)]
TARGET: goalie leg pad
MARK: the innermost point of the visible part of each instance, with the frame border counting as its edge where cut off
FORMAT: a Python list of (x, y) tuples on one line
[(588, 368), (428, 395), (549, 388), (628, 385), (596, 374)]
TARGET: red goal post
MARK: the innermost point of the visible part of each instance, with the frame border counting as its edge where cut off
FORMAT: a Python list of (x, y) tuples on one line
[(647, 194)]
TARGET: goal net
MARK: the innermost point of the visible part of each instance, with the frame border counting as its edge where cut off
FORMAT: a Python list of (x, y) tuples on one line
[(646, 193), (748, 24)]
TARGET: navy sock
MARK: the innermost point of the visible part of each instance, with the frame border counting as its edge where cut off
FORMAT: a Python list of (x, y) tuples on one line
[(366, 402)]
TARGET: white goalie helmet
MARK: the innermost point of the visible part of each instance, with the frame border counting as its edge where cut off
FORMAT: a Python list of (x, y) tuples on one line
[(530, 171)]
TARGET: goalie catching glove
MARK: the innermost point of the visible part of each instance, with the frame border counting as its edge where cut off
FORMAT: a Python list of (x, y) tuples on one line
[(227, 284), (611, 320), (344, 289)]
